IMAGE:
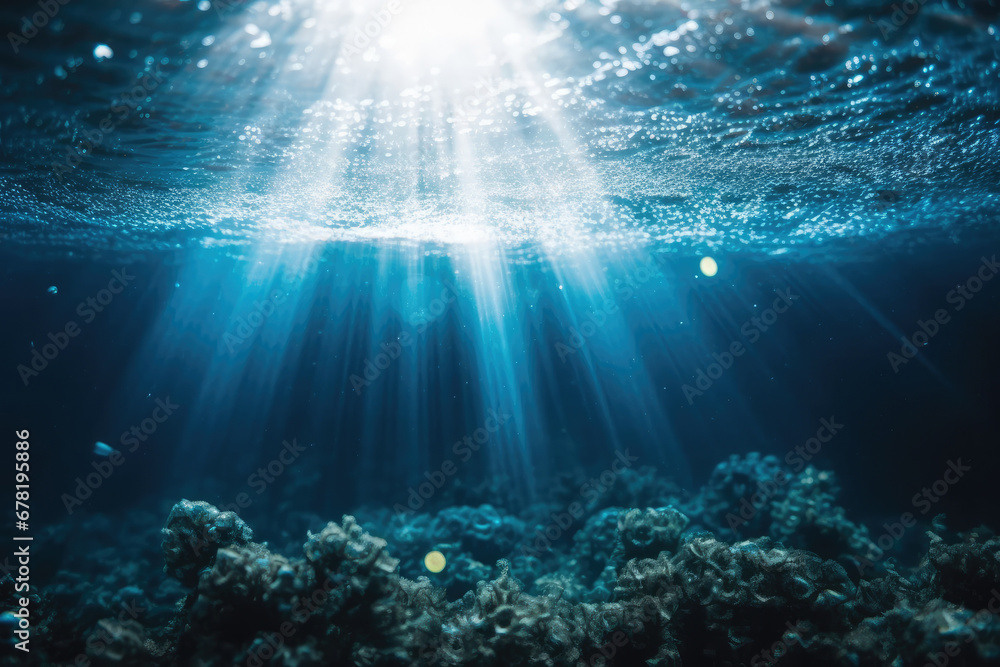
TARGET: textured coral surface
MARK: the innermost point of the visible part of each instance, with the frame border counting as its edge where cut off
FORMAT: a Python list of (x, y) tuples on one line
[(644, 574)]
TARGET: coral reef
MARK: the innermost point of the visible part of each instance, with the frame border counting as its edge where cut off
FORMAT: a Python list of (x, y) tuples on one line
[(560, 585), (193, 534), (646, 533)]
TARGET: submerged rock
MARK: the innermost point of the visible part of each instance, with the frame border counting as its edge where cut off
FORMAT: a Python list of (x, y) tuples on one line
[(616, 586), (195, 531)]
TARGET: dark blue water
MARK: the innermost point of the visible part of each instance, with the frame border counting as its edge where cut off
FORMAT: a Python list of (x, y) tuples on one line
[(671, 327)]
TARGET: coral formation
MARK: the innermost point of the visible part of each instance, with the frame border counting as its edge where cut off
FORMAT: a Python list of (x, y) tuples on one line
[(661, 584), (193, 534)]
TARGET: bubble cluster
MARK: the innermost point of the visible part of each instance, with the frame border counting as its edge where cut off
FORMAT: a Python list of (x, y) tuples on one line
[(571, 124)]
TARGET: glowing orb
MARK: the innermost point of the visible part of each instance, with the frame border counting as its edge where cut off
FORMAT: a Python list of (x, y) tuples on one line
[(708, 266), (434, 561)]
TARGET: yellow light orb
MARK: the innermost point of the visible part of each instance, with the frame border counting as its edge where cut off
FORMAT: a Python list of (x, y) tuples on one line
[(434, 561), (708, 266)]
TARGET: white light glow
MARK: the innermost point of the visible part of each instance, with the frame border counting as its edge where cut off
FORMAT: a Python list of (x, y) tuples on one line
[(427, 121), (447, 34), (453, 230)]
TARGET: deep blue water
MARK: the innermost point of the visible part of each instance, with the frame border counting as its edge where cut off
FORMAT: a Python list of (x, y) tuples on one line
[(302, 373), (299, 271)]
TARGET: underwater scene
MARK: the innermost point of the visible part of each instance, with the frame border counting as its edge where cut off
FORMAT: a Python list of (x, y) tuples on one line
[(551, 333)]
